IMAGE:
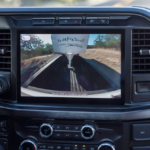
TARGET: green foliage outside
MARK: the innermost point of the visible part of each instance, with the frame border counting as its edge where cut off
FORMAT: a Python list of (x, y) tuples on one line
[(29, 3), (107, 41), (39, 51), (35, 47)]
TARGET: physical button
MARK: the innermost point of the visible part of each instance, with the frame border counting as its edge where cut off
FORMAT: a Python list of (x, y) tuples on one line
[(67, 127), (76, 147), (83, 147), (77, 135), (67, 147), (57, 127), (64, 22), (143, 87), (67, 135), (141, 132), (50, 147), (44, 22), (58, 147), (75, 21), (141, 148), (103, 21), (92, 147), (77, 127), (57, 134), (91, 21), (42, 146)]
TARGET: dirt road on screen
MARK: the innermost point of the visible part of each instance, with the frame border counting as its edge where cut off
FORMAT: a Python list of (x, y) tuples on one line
[(109, 57)]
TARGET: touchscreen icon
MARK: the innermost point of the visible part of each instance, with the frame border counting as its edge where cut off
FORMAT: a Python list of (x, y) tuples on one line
[(25, 37)]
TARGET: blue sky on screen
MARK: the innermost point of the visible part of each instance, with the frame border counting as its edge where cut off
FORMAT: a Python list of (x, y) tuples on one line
[(45, 37), (92, 38)]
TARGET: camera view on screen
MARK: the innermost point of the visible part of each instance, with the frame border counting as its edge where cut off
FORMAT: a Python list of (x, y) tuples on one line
[(71, 65)]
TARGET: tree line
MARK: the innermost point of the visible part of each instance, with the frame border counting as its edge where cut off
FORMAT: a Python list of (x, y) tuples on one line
[(107, 41), (34, 47)]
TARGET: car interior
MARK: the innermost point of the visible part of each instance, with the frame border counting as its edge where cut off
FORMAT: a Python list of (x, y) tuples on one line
[(75, 78)]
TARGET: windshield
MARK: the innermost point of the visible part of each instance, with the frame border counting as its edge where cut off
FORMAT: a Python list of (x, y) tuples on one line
[(62, 3)]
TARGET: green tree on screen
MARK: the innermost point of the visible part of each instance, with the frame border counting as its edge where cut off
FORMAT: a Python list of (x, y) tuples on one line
[(32, 44), (108, 41), (34, 47)]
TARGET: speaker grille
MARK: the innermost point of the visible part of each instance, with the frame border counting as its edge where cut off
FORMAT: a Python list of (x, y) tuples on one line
[(140, 40), (5, 43)]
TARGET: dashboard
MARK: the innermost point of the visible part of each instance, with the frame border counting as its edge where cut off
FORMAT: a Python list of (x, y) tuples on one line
[(75, 78)]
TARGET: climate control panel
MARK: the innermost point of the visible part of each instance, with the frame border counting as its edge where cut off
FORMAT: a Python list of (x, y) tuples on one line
[(32, 145), (67, 131), (53, 134)]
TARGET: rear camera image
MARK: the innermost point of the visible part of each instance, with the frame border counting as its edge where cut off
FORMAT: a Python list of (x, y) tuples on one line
[(71, 65)]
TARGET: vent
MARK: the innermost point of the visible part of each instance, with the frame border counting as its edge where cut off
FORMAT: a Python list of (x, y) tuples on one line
[(140, 41), (5, 56)]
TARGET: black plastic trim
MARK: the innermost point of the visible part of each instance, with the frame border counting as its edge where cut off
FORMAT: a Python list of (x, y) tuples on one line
[(73, 101), (87, 113)]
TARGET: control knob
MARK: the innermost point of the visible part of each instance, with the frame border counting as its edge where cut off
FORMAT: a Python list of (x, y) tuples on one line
[(4, 85), (46, 130), (106, 146), (87, 132), (28, 145)]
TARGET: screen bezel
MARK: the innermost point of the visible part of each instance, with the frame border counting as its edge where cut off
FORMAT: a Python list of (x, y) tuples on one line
[(76, 100)]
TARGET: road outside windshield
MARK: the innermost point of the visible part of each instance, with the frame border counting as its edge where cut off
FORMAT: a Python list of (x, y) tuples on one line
[(82, 65), (62, 3)]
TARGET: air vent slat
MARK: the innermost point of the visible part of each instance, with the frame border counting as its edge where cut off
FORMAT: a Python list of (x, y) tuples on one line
[(4, 62), (142, 33), (141, 39), (135, 52), (141, 64), (4, 56), (141, 51), (4, 45), (4, 69), (141, 46), (4, 39), (5, 50), (141, 58), (4, 33), (142, 70)]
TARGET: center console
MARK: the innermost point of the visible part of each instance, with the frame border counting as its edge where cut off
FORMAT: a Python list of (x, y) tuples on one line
[(69, 135), (75, 78)]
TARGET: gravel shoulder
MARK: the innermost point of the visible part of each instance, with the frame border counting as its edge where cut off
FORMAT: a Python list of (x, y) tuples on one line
[(109, 57)]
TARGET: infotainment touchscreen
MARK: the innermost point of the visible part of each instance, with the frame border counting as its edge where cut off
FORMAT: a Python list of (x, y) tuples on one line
[(70, 65)]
